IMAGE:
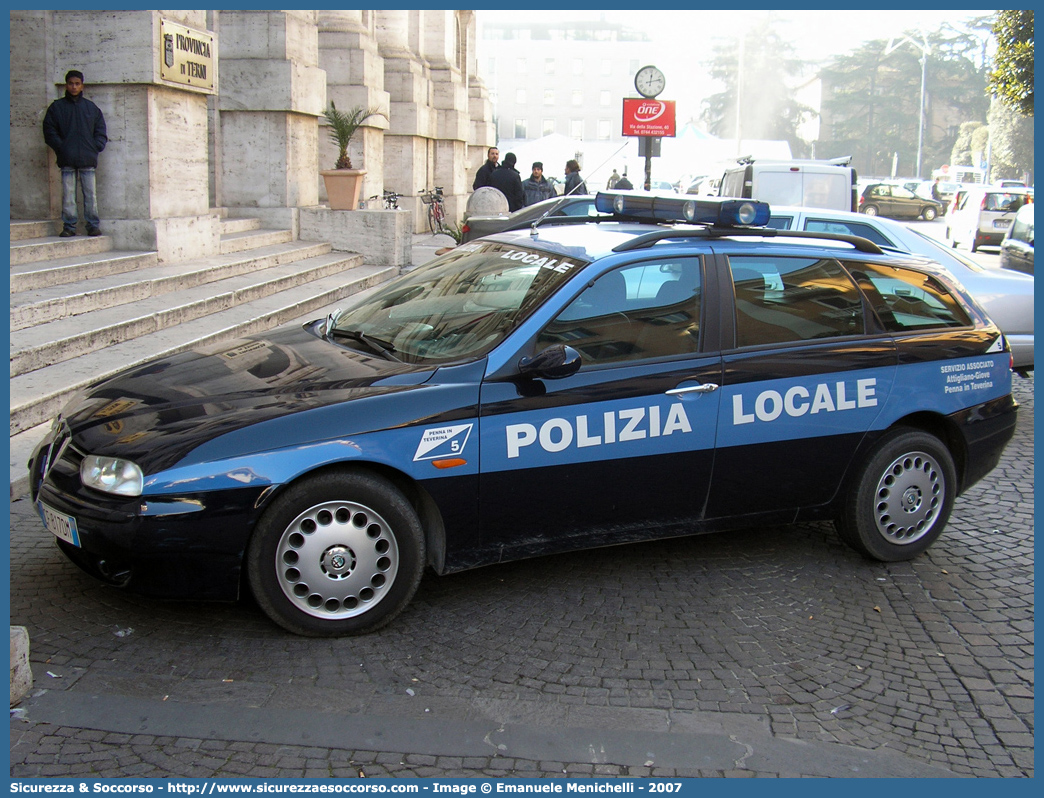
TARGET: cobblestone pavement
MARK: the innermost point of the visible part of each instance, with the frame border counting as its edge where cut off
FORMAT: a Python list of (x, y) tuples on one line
[(783, 633)]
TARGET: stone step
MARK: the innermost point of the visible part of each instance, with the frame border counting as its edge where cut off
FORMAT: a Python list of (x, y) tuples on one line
[(36, 249), (253, 239), (34, 228), (22, 446), (46, 304), (36, 397), (40, 274), (229, 226), (63, 339)]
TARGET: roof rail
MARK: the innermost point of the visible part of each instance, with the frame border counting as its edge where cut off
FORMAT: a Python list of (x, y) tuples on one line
[(648, 239)]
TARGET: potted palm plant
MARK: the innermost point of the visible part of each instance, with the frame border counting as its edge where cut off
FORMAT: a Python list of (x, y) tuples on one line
[(343, 182)]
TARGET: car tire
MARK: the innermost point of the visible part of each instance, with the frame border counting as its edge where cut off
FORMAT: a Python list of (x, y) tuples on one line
[(929, 214), (973, 246), (340, 553), (870, 210), (901, 498)]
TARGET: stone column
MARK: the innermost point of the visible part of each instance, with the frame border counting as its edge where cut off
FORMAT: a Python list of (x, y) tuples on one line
[(408, 143), (272, 94), (39, 190), (354, 69), (444, 43), (152, 176)]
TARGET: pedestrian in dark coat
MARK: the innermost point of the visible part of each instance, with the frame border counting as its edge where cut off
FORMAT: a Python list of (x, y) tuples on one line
[(536, 187), (574, 184), (485, 172), (74, 128), (509, 182)]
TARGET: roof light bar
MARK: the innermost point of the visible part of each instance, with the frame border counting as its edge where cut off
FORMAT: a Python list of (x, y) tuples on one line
[(723, 212)]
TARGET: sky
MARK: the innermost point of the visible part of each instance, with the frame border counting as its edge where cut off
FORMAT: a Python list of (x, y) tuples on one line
[(816, 34)]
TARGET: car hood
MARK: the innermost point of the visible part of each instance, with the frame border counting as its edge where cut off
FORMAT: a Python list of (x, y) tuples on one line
[(157, 412)]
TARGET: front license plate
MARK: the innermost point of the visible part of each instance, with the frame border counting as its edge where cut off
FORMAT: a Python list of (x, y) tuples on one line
[(1003, 224), (61, 526)]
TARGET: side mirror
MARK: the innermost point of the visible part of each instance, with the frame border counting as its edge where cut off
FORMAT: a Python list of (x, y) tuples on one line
[(553, 363)]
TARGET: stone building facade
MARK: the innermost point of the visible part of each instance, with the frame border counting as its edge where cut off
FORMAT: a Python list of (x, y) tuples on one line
[(243, 129)]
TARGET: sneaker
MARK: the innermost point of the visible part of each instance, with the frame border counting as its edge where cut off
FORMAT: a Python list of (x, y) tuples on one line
[(94, 231), (66, 233)]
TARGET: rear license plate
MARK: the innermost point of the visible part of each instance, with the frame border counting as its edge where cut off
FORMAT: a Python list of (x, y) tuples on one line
[(61, 526), (1003, 224)]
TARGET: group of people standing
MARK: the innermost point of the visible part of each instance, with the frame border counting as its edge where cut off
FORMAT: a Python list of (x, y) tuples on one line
[(520, 193)]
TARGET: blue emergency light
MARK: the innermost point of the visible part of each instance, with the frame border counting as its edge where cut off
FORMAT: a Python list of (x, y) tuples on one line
[(719, 212)]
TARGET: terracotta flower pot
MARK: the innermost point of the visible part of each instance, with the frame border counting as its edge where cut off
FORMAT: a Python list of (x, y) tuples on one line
[(343, 187)]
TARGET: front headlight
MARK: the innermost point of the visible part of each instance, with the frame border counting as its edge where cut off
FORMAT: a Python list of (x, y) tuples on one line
[(111, 475)]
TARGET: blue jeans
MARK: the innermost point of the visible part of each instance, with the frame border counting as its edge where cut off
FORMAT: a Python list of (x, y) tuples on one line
[(70, 176)]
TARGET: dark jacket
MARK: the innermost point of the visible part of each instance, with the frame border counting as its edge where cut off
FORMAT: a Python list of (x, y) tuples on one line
[(573, 180), (509, 182), (537, 190), (75, 129), (482, 176)]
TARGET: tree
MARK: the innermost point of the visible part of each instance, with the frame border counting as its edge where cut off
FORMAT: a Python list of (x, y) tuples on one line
[(871, 106), (1012, 77), (1011, 142), (961, 154), (758, 73)]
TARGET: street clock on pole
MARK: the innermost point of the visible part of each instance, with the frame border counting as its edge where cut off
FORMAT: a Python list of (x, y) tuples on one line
[(649, 81)]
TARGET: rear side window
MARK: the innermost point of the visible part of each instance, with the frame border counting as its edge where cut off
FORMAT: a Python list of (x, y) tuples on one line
[(847, 228), (909, 300), (794, 299)]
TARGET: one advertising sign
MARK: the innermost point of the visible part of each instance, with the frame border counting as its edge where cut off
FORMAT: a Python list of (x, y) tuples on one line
[(647, 117)]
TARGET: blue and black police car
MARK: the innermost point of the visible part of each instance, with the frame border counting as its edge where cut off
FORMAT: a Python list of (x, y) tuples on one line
[(670, 368)]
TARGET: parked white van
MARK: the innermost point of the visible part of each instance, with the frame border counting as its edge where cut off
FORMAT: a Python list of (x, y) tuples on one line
[(810, 184), (983, 215)]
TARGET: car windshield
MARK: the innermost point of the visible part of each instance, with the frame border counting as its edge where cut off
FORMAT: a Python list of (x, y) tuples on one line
[(459, 305)]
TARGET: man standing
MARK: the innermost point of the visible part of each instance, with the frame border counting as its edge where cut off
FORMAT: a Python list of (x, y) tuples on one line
[(536, 187), (574, 184), (485, 172), (75, 129), (508, 181)]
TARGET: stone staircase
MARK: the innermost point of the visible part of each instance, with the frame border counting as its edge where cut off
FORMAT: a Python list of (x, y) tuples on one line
[(81, 311)]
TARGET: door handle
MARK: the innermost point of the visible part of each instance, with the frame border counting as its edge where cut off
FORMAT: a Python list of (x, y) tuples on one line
[(706, 387)]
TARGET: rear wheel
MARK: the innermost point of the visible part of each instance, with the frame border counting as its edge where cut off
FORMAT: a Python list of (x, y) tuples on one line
[(901, 499), (929, 214), (336, 554), (870, 210)]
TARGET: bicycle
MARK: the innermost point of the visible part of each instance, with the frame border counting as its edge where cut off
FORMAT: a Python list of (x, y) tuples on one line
[(390, 200), (436, 210)]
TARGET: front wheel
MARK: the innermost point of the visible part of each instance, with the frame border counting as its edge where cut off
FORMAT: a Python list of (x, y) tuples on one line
[(901, 499), (929, 214), (336, 554), (870, 210), (434, 222)]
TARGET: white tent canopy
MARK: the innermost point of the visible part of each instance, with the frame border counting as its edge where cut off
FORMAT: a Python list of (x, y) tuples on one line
[(691, 153)]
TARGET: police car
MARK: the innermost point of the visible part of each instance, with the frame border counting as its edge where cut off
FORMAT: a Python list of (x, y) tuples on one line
[(670, 368)]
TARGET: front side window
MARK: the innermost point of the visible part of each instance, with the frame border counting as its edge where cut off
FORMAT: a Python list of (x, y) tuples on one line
[(781, 299), (637, 312), (909, 300), (459, 305)]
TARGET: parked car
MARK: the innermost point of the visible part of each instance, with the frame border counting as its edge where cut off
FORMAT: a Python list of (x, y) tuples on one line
[(1007, 297), (816, 184), (1017, 247), (897, 202), (575, 205), (674, 369), (984, 214)]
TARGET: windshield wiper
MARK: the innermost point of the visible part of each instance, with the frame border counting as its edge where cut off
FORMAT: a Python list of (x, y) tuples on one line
[(384, 348)]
